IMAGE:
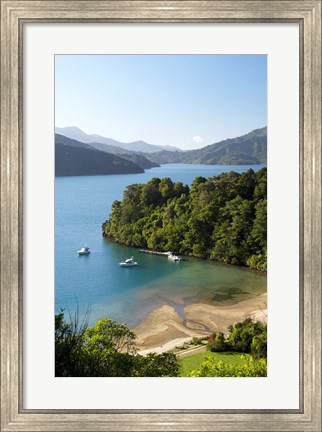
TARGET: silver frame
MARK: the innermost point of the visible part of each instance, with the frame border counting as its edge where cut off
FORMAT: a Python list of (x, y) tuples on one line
[(13, 16)]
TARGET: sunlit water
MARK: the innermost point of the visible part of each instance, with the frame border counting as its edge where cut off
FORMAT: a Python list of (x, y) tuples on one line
[(127, 295)]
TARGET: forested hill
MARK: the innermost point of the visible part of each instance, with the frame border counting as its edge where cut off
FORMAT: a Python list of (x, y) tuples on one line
[(244, 150), (222, 218), (73, 158)]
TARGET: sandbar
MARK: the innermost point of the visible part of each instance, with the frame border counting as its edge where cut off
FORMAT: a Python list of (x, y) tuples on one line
[(164, 328)]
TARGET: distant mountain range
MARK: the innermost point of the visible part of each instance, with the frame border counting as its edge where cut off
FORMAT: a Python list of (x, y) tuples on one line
[(135, 146), (74, 157), (244, 150)]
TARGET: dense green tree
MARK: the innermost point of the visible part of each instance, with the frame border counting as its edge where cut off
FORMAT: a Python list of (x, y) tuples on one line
[(68, 342), (156, 365), (108, 334), (258, 234), (248, 335), (260, 191), (180, 189), (258, 262), (259, 345), (232, 230), (151, 195), (166, 188), (247, 183), (217, 343)]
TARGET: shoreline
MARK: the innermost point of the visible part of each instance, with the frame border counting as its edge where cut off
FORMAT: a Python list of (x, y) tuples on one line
[(142, 249), (164, 329)]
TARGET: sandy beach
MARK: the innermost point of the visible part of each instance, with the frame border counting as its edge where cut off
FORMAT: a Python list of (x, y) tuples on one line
[(164, 328)]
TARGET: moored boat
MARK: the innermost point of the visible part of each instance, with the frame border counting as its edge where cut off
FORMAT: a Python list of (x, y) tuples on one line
[(128, 263), (84, 251), (174, 257)]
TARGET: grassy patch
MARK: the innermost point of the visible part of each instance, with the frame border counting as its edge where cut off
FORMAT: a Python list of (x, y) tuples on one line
[(193, 362)]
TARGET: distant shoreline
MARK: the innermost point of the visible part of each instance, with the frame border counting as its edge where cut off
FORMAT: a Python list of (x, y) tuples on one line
[(164, 329)]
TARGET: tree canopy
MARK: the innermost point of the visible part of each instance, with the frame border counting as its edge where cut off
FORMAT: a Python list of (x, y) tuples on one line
[(246, 336)]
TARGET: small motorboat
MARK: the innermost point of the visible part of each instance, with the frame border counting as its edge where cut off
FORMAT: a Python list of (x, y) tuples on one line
[(174, 257), (128, 263), (84, 251)]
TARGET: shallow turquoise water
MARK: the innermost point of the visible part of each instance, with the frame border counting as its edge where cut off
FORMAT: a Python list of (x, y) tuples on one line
[(127, 295)]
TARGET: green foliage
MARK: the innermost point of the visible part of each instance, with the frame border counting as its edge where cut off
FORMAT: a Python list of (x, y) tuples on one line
[(221, 218), (108, 334), (213, 368), (259, 345), (68, 337), (258, 262), (156, 365), (105, 350), (246, 336), (198, 340), (249, 336), (217, 343)]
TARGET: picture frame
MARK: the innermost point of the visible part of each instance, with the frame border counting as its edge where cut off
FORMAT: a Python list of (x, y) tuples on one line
[(14, 14)]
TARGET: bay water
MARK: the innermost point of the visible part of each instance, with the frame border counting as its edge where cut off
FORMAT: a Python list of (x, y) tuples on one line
[(128, 295)]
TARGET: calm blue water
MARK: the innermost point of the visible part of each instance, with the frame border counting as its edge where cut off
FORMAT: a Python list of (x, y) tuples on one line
[(127, 295)]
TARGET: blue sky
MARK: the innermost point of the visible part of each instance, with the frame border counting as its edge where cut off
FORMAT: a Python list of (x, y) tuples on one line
[(187, 101)]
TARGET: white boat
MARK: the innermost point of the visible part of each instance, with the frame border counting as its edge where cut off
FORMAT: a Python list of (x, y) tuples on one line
[(128, 263), (84, 251), (173, 257)]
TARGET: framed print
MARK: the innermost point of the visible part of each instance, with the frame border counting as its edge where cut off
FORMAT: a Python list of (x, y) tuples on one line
[(136, 140)]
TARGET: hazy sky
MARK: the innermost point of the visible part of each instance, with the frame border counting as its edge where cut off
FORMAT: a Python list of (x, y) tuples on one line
[(187, 101)]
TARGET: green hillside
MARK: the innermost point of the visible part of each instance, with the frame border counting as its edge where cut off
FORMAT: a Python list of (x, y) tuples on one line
[(73, 158), (248, 149)]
